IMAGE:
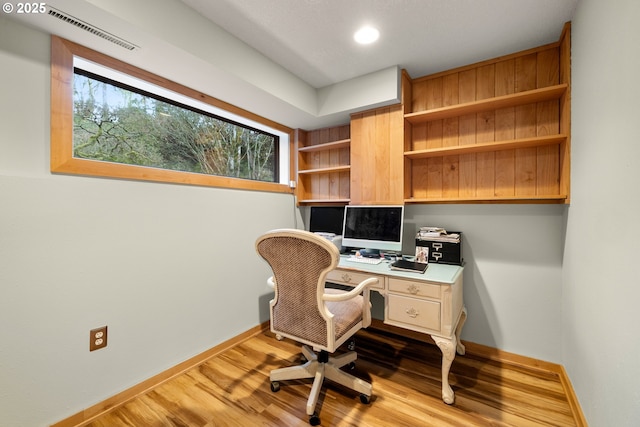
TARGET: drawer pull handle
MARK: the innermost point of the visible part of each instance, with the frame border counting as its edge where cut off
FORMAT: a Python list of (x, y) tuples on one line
[(412, 312), (413, 289), (346, 277)]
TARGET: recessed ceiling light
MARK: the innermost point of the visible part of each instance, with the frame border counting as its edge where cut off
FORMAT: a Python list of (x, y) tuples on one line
[(366, 35)]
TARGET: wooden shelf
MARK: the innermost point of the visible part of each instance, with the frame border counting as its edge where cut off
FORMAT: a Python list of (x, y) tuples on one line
[(521, 98), (326, 146), (324, 201), (325, 170), (486, 147), (546, 198)]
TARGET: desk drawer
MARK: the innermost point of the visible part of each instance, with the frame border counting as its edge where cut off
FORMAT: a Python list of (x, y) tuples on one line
[(410, 287), (413, 311), (353, 278)]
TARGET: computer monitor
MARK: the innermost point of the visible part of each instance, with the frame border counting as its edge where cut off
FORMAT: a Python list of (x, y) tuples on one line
[(326, 219), (373, 227)]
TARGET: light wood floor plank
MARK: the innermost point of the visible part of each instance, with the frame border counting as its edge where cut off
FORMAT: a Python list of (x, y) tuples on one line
[(232, 389)]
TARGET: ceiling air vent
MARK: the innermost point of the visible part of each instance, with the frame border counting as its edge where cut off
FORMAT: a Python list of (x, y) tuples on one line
[(90, 28)]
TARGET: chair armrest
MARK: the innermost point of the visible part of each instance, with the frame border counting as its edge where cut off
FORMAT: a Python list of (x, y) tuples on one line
[(362, 286)]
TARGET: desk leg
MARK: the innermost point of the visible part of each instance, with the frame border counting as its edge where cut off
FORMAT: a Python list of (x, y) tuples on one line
[(447, 347), (463, 318)]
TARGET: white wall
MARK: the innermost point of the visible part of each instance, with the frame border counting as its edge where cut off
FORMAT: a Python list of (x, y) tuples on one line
[(170, 269), (601, 285), (513, 271)]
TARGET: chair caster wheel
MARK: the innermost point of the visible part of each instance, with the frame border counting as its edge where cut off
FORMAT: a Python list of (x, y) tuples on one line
[(351, 366), (365, 399), (275, 386), (351, 345), (314, 420)]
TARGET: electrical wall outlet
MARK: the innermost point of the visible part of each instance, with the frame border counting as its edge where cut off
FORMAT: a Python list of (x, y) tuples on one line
[(98, 338)]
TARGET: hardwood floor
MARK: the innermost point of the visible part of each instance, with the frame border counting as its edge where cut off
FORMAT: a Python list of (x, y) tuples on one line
[(232, 389)]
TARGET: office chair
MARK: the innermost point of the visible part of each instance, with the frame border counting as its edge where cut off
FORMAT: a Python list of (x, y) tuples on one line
[(304, 311)]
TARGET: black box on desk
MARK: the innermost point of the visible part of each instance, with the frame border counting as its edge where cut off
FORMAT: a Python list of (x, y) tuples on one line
[(442, 252)]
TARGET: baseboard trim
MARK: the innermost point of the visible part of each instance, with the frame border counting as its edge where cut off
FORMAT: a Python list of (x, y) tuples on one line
[(89, 414), (501, 356), (576, 409)]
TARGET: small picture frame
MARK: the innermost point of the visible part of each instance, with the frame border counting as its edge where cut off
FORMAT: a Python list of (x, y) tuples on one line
[(422, 254)]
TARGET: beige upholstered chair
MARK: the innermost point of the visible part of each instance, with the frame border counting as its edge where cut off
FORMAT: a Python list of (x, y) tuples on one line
[(304, 311)]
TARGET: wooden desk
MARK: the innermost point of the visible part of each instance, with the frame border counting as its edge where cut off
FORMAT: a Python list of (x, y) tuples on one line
[(430, 303)]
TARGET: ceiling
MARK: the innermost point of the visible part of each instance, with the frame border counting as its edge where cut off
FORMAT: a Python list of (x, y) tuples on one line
[(295, 61), (313, 39)]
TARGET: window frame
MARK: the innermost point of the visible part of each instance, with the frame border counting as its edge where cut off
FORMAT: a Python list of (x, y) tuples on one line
[(62, 160)]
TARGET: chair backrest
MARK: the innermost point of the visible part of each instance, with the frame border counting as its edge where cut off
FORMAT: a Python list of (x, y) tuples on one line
[(300, 261)]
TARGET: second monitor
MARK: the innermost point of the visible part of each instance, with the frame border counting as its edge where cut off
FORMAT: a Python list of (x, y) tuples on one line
[(326, 219)]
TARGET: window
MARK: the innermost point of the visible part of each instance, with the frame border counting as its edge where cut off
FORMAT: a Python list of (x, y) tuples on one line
[(117, 123), (113, 120)]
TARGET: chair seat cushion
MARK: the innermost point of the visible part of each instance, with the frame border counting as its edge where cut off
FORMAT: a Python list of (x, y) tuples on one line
[(346, 313)]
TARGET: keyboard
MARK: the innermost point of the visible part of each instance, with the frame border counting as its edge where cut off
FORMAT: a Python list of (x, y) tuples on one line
[(364, 260)]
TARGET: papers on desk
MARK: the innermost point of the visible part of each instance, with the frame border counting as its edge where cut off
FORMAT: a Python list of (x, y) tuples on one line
[(437, 234), (431, 231)]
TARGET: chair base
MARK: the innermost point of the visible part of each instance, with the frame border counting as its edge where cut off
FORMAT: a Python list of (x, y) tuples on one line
[(319, 369)]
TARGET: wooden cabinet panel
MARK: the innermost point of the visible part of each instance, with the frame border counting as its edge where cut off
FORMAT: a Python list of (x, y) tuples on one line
[(377, 164)]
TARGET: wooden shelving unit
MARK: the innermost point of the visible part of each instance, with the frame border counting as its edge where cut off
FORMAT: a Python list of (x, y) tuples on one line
[(323, 168), (498, 131), (493, 132)]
